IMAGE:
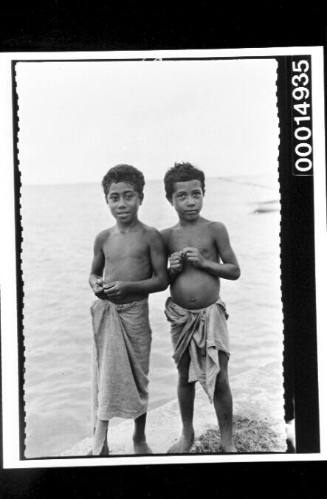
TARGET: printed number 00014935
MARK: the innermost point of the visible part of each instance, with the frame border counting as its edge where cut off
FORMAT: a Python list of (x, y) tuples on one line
[(302, 116)]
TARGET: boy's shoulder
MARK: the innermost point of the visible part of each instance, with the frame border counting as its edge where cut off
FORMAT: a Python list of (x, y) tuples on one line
[(165, 233), (149, 232), (103, 235), (215, 227), (212, 225)]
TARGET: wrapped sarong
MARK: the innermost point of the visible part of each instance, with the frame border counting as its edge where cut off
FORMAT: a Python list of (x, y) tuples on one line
[(203, 332), (121, 351)]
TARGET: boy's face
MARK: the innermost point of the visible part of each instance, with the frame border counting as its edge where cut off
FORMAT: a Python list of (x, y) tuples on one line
[(123, 201), (187, 199)]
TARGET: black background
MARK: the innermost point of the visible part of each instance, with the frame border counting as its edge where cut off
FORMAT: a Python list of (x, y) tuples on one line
[(95, 25), (81, 25)]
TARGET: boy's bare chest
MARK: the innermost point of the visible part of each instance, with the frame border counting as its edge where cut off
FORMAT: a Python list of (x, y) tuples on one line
[(200, 239), (123, 246)]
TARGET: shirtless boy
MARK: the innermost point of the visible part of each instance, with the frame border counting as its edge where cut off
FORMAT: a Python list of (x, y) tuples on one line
[(199, 255), (129, 262)]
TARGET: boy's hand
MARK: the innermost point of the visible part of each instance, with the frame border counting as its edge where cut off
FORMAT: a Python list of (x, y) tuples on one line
[(194, 256), (97, 287), (115, 289), (176, 262)]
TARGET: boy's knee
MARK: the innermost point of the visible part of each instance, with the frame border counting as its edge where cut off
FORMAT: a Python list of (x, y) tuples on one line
[(222, 383), (183, 369), (183, 377), (223, 360)]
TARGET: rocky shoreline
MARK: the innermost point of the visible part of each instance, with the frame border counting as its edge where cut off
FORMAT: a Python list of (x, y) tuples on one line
[(250, 436), (254, 431)]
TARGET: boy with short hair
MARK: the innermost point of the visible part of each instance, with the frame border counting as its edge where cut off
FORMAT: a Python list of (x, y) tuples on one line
[(129, 263), (197, 315)]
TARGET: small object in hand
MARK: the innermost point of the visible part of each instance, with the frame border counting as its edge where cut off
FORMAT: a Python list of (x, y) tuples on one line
[(110, 286), (99, 283), (183, 255)]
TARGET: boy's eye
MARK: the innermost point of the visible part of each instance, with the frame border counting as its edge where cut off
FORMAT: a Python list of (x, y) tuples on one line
[(128, 196), (114, 198)]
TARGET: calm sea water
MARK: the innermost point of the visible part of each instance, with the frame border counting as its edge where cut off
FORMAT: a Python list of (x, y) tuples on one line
[(60, 224)]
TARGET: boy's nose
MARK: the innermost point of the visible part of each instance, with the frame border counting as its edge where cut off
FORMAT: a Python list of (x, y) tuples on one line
[(121, 202), (190, 201)]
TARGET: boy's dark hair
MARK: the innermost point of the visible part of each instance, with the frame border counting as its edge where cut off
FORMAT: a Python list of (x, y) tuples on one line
[(182, 172), (124, 173)]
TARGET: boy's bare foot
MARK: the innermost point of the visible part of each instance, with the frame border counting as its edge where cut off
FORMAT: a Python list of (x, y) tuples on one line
[(228, 448), (183, 445), (104, 451), (141, 447)]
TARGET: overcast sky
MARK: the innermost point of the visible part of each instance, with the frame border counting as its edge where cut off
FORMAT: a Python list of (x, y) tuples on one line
[(77, 119)]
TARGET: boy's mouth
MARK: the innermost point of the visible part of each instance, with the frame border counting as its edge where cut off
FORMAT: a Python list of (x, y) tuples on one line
[(123, 215)]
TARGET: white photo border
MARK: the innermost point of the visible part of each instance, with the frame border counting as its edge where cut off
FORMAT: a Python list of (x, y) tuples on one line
[(12, 408)]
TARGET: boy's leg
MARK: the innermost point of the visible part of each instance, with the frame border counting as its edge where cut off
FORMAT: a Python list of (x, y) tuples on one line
[(139, 439), (100, 444), (186, 393), (224, 405)]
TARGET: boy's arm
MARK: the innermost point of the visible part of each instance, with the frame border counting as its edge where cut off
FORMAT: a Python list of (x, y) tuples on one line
[(175, 265), (159, 279), (175, 260), (97, 266), (230, 268)]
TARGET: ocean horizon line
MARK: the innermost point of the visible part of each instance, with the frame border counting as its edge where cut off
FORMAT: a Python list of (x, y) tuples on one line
[(230, 178)]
